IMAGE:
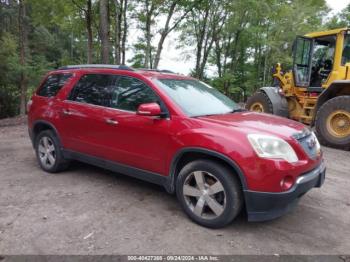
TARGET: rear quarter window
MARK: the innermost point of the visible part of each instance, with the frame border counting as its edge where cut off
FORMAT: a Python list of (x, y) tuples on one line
[(53, 84)]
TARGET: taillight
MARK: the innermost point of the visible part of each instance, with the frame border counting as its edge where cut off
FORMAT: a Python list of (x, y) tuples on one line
[(29, 104)]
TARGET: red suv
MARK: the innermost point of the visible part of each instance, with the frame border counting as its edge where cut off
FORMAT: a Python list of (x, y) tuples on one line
[(177, 132)]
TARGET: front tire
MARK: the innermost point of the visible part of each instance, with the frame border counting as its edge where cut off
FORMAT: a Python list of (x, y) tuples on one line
[(209, 193), (48, 152), (259, 102), (333, 123)]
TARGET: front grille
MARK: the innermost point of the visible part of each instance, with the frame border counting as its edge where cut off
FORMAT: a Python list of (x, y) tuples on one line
[(307, 140)]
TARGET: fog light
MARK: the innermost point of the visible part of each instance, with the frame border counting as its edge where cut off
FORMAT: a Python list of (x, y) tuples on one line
[(287, 182)]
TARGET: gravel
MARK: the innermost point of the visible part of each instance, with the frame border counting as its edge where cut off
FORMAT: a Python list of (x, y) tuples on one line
[(88, 210)]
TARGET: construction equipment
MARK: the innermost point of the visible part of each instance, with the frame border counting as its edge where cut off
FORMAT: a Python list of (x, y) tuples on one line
[(317, 89)]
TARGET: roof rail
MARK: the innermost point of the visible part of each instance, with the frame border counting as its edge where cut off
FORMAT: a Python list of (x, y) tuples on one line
[(119, 67), (156, 70)]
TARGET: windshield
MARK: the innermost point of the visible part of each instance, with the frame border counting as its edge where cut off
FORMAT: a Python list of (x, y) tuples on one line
[(196, 98)]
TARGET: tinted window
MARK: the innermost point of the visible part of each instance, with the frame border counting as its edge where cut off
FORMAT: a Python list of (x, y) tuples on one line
[(196, 98), (53, 84), (346, 50), (94, 89), (302, 53), (130, 93)]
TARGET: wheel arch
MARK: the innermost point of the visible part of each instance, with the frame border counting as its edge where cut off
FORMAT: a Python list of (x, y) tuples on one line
[(186, 155), (41, 125), (337, 87)]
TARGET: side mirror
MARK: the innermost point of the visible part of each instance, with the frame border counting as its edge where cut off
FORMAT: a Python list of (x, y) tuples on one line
[(149, 109)]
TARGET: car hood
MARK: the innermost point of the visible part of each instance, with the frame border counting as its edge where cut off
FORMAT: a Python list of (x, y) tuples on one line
[(258, 122)]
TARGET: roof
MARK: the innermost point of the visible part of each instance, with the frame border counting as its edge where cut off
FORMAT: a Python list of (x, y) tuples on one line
[(143, 71), (325, 33), (106, 66)]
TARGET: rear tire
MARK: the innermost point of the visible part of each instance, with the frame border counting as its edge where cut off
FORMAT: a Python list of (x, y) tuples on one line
[(48, 152), (260, 102), (333, 123), (209, 193)]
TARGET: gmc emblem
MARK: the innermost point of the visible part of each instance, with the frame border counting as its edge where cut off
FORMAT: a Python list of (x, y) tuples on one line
[(311, 143)]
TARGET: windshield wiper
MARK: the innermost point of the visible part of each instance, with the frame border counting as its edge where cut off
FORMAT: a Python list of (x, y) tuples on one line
[(205, 115), (230, 112), (236, 110)]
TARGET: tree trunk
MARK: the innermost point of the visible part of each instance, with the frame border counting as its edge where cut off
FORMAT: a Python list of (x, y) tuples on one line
[(104, 31), (258, 63), (148, 44), (125, 31), (266, 55), (226, 54), (118, 22), (89, 31), (167, 29), (198, 55), (200, 40), (23, 43), (207, 50), (159, 50), (234, 51), (164, 34), (218, 50), (148, 51)]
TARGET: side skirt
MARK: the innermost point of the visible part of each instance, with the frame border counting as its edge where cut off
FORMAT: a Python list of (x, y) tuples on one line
[(119, 168)]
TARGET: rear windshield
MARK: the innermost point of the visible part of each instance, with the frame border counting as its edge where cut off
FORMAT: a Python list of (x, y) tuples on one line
[(196, 98), (53, 84)]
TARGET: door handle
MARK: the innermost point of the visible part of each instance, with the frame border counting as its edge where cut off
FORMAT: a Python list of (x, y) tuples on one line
[(66, 112), (111, 122)]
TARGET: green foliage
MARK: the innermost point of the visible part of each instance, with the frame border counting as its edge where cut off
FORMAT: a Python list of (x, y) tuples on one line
[(9, 71), (254, 36), (258, 34), (56, 37)]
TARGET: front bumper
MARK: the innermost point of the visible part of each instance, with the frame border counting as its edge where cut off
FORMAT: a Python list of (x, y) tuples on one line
[(263, 206)]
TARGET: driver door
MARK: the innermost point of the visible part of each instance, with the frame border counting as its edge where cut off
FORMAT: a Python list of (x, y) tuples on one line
[(302, 61), (131, 139)]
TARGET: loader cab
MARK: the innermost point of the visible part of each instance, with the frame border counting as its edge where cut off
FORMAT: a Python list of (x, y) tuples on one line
[(317, 89), (313, 61)]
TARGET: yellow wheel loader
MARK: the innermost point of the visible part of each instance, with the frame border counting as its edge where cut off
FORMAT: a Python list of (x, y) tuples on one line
[(317, 89)]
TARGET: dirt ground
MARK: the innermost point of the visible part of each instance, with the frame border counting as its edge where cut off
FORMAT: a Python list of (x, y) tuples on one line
[(88, 210)]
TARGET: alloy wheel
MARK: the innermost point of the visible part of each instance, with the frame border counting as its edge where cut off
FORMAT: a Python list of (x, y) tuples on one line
[(204, 195), (47, 152)]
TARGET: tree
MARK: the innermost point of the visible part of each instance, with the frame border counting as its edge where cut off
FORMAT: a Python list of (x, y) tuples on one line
[(88, 17), (104, 31), (23, 43), (203, 26), (165, 31), (182, 9), (121, 28), (239, 41), (87, 13), (256, 35), (150, 12)]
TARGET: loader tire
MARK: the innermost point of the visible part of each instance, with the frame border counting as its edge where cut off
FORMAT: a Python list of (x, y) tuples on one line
[(259, 102), (333, 123)]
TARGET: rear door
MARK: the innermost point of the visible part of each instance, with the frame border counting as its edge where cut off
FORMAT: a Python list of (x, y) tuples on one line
[(302, 61), (134, 140), (45, 105)]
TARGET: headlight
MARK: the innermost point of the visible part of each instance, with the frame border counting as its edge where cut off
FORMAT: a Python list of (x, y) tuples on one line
[(317, 143), (272, 147)]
